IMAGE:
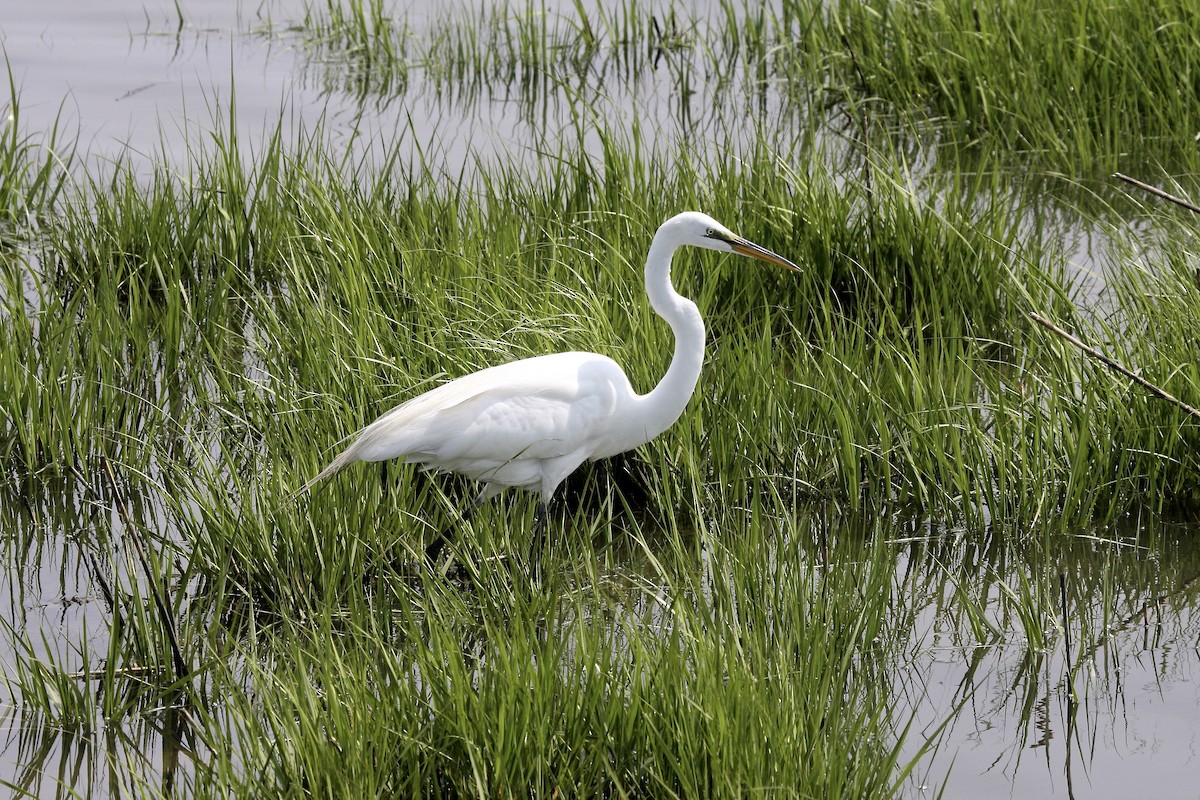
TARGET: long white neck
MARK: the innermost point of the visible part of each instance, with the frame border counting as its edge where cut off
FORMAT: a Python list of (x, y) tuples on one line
[(662, 406)]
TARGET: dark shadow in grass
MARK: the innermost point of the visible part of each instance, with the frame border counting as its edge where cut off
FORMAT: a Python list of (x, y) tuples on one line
[(616, 494)]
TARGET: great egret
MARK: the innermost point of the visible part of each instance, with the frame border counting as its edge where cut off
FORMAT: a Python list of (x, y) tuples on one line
[(531, 423)]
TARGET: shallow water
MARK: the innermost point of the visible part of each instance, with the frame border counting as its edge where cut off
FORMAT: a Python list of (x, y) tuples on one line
[(145, 80), (1121, 723), (127, 77), (123, 78)]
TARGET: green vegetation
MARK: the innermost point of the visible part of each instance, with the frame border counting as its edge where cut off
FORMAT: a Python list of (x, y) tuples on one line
[(721, 613)]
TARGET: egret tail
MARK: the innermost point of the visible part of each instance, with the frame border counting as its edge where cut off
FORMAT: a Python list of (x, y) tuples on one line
[(343, 459)]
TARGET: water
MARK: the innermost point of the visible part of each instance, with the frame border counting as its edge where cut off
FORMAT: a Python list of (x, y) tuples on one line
[(1122, 723), (122, 76), (144, 80)]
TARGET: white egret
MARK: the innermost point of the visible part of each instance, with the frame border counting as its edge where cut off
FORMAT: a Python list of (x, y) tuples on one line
[(530, 423)]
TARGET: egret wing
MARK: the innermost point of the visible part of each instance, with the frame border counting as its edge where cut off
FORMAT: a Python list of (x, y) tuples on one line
[(536, 408)]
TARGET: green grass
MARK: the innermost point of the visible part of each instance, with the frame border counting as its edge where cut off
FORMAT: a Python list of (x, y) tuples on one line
[(1078, 87), (516, 688), (32, 171), (720, 613)]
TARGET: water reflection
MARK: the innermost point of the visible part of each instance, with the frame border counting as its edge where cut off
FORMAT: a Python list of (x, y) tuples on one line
[(1023, 719), (984, 674), (118, 760)]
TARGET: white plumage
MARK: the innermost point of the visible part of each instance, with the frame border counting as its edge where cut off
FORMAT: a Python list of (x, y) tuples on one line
[(530, 423)]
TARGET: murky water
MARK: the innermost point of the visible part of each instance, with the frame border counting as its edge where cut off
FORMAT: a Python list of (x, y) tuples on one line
[(1118, 719)]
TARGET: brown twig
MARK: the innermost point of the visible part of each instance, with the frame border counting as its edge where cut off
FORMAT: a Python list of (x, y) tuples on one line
[(1154, 190), (1113, 365)]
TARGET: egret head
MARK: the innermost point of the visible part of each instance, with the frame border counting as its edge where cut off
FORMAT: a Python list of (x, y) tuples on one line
[(701, 230)]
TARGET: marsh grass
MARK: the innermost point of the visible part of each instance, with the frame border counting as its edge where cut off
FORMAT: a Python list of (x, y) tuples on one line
[(33, 170), (355, 47), (867, 385), (1078, 91), (719, 613), (1068, 85), (513, 685)]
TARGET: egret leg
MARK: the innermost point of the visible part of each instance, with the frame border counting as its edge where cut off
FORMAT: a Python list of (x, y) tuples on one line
[(434, 549), (537, 540)]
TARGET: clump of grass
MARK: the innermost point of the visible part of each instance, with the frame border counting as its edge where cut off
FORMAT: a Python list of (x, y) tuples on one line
[(1155, 316), (33, 170), (535, 53), (1073, 87), (357, 46), (521, 688)]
